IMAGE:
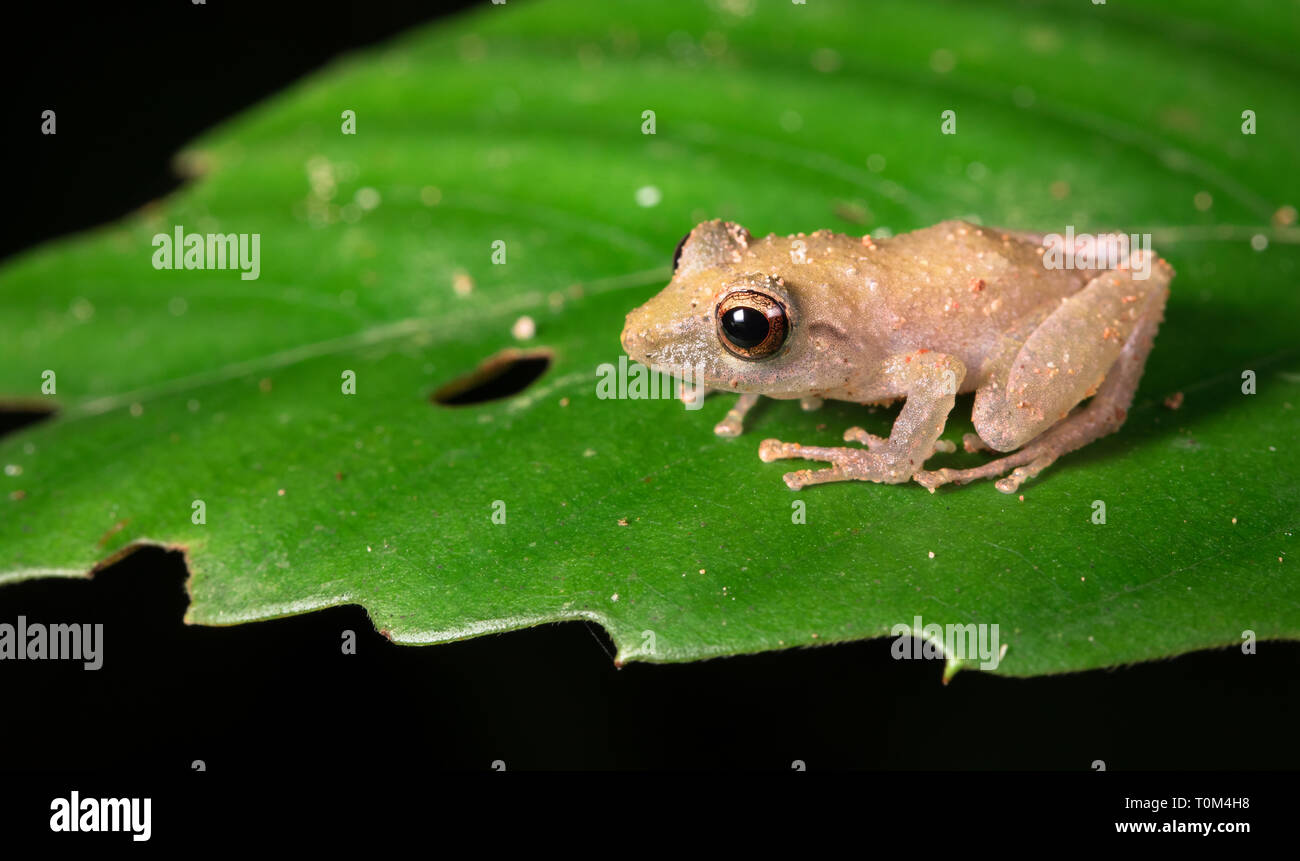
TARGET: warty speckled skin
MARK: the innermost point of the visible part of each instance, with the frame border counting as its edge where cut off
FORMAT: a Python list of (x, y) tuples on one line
[(924, 316)]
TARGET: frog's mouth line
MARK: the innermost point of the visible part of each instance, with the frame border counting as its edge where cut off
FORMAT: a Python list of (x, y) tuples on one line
[(687, 377)]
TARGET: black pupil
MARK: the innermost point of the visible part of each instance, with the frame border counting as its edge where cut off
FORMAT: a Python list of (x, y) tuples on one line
[(745, 327)]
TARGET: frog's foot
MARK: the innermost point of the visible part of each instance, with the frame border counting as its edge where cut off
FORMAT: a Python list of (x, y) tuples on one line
[(734, 423), (1026, 463), (847, 464)]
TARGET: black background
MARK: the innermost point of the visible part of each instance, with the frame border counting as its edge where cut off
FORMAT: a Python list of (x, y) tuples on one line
[(131, 85)]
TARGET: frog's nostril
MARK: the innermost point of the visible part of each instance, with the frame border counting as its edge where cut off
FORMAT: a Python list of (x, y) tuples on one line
[(630, 338)]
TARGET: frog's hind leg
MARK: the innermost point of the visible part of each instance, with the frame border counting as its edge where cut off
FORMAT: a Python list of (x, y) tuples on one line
[(1022, 411)]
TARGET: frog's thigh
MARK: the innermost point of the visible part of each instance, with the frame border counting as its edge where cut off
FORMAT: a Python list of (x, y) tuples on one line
[(1104, 414), (1067, 356)]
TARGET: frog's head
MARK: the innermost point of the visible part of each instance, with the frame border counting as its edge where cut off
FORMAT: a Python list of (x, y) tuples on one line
[(727, 323)]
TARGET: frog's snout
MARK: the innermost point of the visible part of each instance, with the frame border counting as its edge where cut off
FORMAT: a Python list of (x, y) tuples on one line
[(630, 339), (627, 338), (661, 333), (640, 338)]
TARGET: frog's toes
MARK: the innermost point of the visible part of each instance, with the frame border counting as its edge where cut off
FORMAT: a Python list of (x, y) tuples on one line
[(690, 395), (858, 435), (1010, 484), (1020, 474), (773, 449), (729, 426), (1027, 462), (932, 479), (944, 446), (801, 478), (734, 422), (810, 404), (848, 464)]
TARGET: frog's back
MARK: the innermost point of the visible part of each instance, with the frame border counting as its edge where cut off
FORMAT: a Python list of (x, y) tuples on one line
[(957, 285), (955, 254)]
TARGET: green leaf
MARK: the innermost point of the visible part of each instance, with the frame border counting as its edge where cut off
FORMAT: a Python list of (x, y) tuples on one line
[(523, 123)]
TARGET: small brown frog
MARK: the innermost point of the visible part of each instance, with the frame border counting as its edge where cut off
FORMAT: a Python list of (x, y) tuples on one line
[(924, 316)]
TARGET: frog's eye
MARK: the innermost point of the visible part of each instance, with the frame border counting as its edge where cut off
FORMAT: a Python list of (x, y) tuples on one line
[(677, 252), (752, 325)]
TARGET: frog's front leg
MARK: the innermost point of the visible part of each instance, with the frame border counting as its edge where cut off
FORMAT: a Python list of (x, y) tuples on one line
[(734, 423), (930, 382)]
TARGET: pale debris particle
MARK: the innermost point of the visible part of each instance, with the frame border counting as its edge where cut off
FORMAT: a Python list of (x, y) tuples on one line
[(931, 554), (622, 521), (461, 283), (1174, 401), (564, 402), (367, 198), (614, 597), (524, 328), (648, 196), (280, 491)]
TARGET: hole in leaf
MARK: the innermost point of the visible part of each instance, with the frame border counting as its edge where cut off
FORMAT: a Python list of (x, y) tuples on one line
[(14, 418), (507, 373)]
